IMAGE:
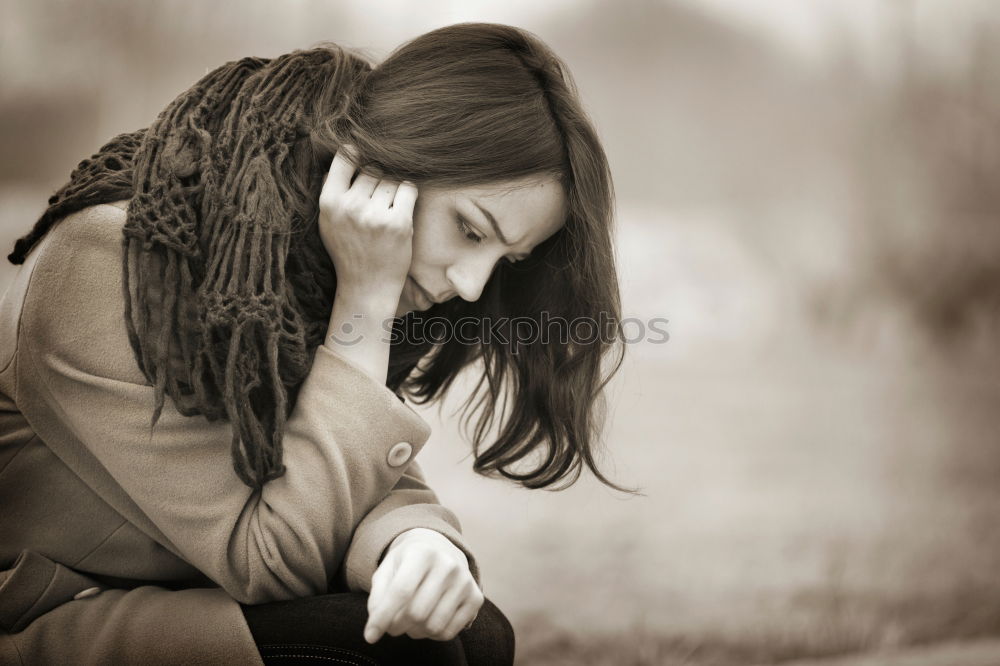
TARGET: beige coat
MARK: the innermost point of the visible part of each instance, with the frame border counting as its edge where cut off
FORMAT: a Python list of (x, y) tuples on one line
[(121, 543)]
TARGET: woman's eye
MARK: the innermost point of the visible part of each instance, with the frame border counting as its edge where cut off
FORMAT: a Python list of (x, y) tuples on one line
[(468, 232)]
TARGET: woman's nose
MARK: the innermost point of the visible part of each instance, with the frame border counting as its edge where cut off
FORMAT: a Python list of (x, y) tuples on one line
[(469, 279)]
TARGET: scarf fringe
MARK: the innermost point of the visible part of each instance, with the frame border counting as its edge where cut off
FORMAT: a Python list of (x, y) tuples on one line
[(225, 296)]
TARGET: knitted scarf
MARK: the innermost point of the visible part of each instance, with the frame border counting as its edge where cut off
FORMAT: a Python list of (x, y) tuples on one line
[(228, 289)]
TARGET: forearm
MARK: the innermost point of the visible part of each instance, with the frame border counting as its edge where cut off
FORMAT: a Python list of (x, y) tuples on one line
[(356, 331)]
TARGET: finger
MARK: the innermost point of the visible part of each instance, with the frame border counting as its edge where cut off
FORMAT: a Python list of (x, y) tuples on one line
[(341, 171), (379, 579), (364, 185), (445, 610), (384, 193), (397, 594), (418, 632), (423, 603), (464, 616), (406, 197), (393, 619)]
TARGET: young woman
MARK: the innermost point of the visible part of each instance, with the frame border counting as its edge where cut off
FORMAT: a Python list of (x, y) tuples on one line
[(205, 450)]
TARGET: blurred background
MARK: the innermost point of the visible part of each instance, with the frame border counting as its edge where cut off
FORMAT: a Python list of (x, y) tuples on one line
[(808, 193)]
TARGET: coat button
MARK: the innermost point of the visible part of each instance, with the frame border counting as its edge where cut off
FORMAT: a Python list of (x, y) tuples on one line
[(399, 454), (89, 592)]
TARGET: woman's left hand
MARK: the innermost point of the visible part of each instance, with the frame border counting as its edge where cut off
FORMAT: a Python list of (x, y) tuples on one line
[(423, 588)]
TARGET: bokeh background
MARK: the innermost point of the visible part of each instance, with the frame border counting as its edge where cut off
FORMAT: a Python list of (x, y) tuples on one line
[(809, 193)]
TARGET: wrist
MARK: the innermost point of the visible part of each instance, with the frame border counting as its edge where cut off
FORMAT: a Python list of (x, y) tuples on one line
[(414, 533), (370, 299), (427, 535)]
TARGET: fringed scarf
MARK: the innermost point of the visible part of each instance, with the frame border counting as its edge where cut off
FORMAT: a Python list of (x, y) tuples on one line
[(227, 287)]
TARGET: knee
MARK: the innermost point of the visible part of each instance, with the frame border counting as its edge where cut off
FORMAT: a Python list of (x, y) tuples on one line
[(489, 641)]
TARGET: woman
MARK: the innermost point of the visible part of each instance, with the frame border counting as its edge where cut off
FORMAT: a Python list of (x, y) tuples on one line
[(230, 275)]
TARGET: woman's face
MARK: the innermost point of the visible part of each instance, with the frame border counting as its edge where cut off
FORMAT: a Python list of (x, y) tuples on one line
[(459, 235)]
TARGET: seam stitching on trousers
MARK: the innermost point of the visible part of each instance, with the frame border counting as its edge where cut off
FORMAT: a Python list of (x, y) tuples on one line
[(350, 653)]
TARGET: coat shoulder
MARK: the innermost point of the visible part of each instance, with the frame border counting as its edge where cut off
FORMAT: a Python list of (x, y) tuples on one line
[(74, 307)]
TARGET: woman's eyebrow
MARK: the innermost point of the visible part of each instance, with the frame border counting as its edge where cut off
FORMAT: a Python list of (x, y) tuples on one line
[(493, 223), (496, 229)]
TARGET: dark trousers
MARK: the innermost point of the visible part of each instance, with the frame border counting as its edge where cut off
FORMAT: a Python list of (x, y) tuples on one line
[(329, 628)]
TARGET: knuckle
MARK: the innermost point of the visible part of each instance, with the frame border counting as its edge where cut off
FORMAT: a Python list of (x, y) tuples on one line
[(414, 615), (328, 201), (379, 220), (389, 222), (405, 589), (372, 213), (351, 207)]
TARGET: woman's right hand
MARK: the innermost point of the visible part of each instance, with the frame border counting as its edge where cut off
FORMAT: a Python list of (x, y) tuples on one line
[(367, 229)]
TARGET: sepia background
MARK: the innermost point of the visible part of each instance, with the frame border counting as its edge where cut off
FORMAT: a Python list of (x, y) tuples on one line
[(809, 193)]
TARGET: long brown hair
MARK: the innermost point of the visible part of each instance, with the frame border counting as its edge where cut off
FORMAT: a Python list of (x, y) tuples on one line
[(482, 103)]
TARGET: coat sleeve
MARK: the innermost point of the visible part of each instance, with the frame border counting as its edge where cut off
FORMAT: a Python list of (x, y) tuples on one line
[(410, 504), (80, 387)]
